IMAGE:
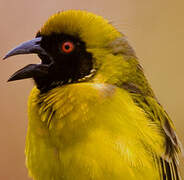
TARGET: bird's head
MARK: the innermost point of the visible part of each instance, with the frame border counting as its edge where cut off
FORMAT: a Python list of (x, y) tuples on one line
[(75, 46)]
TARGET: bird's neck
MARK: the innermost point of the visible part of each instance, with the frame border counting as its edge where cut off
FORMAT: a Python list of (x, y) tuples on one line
[(124, 72)]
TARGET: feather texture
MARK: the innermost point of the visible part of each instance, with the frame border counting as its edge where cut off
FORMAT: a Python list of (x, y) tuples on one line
[(100, 134)]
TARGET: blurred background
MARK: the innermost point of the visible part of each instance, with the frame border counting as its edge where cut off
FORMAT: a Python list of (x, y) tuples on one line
[(154, 28)]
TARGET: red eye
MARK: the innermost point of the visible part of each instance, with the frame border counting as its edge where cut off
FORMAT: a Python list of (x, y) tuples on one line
[(67, 47)]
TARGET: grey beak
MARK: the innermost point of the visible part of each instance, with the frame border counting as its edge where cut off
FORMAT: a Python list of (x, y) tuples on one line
[(29, 47), (31, 70)]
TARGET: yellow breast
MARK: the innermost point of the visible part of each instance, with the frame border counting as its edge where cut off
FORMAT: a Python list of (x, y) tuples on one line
[(90, 131)]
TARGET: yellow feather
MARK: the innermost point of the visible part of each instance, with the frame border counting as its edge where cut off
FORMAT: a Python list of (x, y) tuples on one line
[(98, 135), (83, 24)]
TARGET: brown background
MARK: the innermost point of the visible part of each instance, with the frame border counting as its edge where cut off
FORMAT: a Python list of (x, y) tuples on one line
[(155, 28)]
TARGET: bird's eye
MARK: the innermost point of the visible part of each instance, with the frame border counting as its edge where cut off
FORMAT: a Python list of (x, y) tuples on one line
[(67, 47)]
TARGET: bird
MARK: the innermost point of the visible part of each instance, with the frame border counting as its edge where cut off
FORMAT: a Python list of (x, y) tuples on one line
[(92, 114)]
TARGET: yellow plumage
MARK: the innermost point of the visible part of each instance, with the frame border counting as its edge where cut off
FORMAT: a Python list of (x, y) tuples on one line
[(95, 136), (92, 114), (83, 24)]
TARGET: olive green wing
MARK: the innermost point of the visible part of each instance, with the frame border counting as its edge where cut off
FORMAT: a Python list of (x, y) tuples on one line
[(138, 87), (168, 164)]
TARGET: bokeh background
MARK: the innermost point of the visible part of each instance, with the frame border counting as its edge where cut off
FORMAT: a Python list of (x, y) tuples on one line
[(155, 29)]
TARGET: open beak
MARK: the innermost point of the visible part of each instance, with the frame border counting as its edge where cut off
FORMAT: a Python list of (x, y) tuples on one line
[(31, 70)]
